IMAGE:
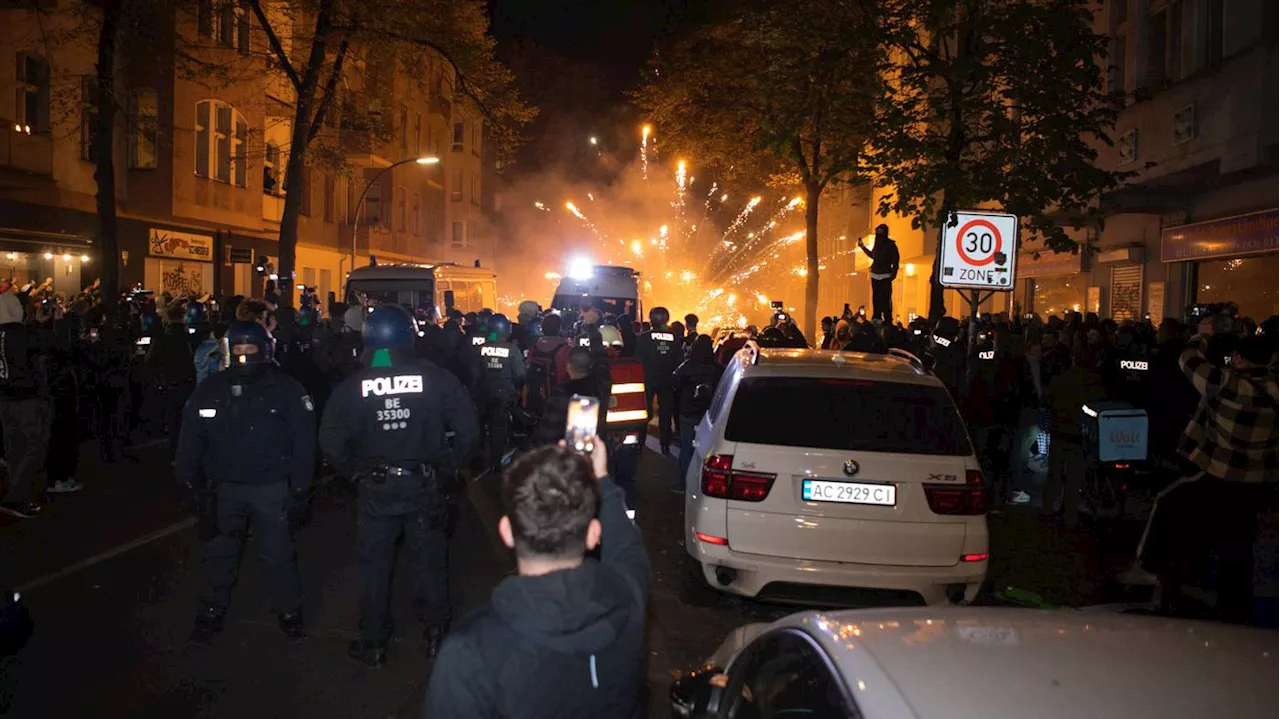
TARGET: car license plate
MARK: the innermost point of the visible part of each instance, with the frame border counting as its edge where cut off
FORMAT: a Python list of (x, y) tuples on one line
[(821, 490)]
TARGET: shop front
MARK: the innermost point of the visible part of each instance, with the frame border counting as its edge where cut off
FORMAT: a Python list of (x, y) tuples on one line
[(1054, 283), (178, 262), (1232, 259)]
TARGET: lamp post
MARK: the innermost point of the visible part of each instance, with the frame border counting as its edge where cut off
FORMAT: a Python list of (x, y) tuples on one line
[(355, 226)]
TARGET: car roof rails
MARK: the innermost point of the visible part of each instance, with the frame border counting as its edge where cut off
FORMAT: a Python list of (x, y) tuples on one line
[(915, 361)]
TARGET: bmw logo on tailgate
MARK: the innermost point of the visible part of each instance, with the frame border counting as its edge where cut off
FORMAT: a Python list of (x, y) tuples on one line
[(850, 468)]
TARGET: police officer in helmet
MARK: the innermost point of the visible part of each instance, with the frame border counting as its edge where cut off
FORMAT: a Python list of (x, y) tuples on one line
[(502, 374), (385, 427), (247, 451), (658, 349)]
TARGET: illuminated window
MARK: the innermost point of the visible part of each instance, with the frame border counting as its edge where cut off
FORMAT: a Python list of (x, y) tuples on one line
[(221, 139)]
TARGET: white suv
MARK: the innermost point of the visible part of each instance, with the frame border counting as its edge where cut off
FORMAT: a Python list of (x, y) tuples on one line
[(816, 469)]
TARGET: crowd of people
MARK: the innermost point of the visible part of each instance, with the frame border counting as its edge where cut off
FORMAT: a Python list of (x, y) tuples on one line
[(250, 393)]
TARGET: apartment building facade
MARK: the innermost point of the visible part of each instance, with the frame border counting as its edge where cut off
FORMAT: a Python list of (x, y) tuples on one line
[(201, 163), (1197, 223)]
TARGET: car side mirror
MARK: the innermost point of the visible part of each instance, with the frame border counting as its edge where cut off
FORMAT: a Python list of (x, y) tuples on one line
[(696, 694), (448, 299)]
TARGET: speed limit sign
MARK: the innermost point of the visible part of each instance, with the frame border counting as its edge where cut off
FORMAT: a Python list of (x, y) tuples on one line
[(979, 251)]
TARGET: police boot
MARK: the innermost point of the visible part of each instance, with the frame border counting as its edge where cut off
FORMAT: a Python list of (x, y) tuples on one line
[(208, 623), (432, 638), (375, 655), (291, 625)]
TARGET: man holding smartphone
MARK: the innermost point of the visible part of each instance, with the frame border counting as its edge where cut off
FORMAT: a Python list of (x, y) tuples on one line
[(565, 636)]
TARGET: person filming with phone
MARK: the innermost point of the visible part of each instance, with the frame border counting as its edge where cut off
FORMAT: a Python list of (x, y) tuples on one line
[(564, 637)]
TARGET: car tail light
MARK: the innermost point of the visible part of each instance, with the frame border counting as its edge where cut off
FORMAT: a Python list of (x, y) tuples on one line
[(711, 539), (719, 480), (979, 557), (971, 498)]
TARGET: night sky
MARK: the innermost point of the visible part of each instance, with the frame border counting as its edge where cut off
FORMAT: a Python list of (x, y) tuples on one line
[(616, 36)]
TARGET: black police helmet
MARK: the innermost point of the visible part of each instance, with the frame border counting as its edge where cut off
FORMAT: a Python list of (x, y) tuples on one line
[(499, 327), (196, 314), (248, 333), (659, 316), (389, 327)]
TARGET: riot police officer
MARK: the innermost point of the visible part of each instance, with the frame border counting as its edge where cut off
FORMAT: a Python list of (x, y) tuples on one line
[(385, 427), (502, 374), (658, 349), (247, 451), (197, 322)]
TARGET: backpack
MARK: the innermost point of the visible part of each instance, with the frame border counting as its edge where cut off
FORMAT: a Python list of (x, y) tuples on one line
[(544, 371)]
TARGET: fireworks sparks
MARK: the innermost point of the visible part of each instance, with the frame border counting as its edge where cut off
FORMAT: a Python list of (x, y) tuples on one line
[(644, 151), (568, 205), (541, 206)]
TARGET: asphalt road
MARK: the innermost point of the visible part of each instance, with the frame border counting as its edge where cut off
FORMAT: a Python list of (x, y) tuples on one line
[(110, 575)]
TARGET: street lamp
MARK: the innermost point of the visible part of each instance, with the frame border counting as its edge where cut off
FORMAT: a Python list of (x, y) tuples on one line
[(355, 226)]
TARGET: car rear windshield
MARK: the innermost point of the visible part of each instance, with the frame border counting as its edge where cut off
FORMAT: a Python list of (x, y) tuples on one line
[(846, 414)]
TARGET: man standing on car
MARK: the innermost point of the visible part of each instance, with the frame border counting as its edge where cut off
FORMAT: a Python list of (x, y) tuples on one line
[(565, 636), (884, 270)]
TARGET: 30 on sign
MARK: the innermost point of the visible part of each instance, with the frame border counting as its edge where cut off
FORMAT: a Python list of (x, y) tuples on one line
[(979, 251)]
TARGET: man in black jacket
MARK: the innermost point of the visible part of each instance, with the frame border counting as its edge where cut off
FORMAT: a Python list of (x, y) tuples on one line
[(884, 270), (695, 381), (565, 637)]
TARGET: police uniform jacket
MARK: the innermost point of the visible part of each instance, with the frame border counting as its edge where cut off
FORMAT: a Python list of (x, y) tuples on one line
[(660, 352), (398, 416), (242, 430)]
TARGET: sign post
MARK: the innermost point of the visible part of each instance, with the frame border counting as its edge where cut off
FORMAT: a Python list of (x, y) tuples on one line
[(979, 258)]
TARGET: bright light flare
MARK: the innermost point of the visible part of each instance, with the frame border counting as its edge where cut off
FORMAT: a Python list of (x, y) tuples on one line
[(662, 232), (637, 248), (681, 175), (795, 202), (580, 268), (762, 299), (553, 276), (541, 206), (742, 322), (688, 276), (568, 205)]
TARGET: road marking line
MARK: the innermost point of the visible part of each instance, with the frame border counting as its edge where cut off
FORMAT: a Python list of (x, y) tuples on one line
[(104, 556)]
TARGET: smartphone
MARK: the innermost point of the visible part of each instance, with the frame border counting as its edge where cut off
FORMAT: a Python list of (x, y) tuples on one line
[(93, 333), (582, 424)]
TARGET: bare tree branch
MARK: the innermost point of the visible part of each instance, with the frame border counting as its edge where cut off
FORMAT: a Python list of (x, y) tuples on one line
[(330, 88)]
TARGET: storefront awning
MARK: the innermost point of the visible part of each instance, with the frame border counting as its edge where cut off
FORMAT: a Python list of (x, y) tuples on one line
[(1250, 234), (33, 240)]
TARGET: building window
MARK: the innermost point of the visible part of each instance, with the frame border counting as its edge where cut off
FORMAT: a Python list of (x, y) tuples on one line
[(475, 188), (373, 214), (226, 22), (404, 130), (476, 129), (1213, 32), (455, 186), (416, 217), (417, 134), (402, 219), (330, 197), (1157, 48), (144, 129), (32, 107), (221, 139), (1119, 62), (459, 135), (272, 169), (88, 118), (459, 239)]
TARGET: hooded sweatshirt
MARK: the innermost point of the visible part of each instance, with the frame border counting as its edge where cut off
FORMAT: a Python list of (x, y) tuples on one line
[(564, 644)]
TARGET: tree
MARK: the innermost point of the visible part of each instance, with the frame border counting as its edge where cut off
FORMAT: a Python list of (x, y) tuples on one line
[(784, 89), (396, 34), (994, 101)]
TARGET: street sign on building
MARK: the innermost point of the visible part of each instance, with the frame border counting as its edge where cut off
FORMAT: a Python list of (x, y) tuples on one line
[(979, 252)]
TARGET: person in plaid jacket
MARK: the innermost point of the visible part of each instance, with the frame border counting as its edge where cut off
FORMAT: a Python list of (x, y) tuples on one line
[(1232, 440)]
